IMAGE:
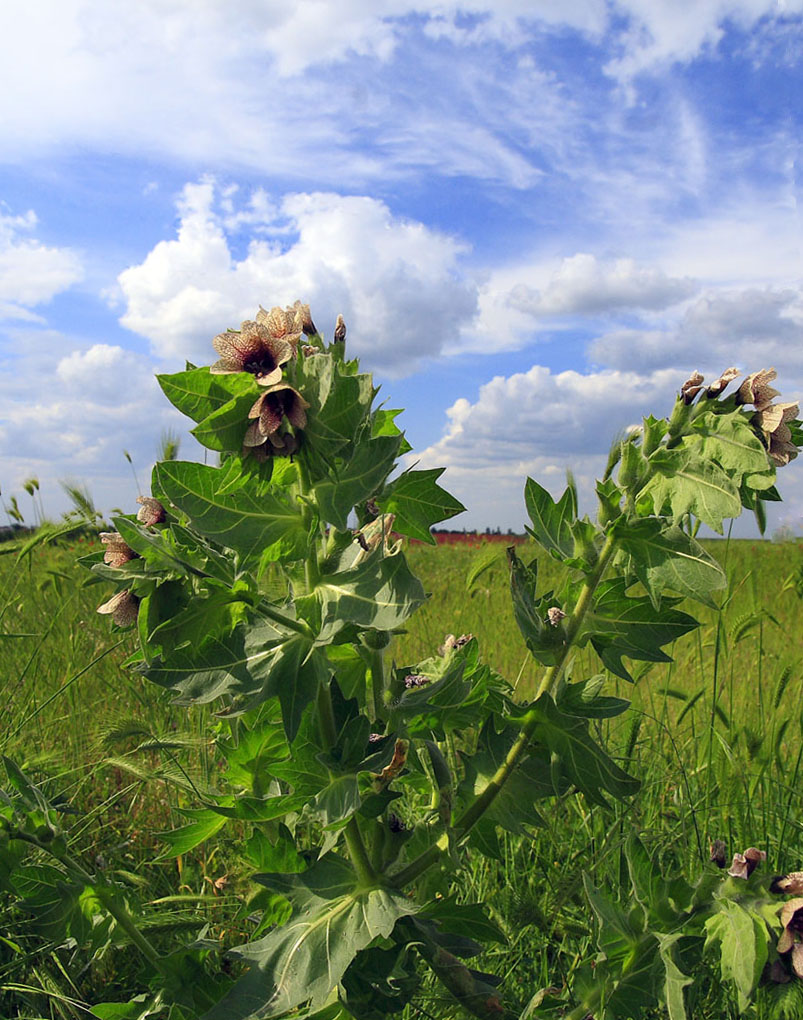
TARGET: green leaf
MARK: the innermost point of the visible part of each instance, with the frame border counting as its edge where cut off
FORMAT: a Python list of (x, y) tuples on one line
[(197, 393), (584, 699), (529, 782), (383, 423), (469, 919), (280, 855), (340, 403), (183, 839), (582, 761), (742, 937), (225, 427), (675, 980), (338, 800), (619, 625), (305, 959), (418, 503), (380, 593), (236, 664), (650, 888), (356, 480), (303, 769), (667, 558), (530, 611), (686, 482), (731, 440), (264, 526), (138, 1008), (617, 937), (552, 521)]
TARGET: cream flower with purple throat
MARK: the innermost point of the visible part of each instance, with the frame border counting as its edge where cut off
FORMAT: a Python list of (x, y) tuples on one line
[(254, 349), (773, 421), (270, 410), (286, 323), (117, 550)]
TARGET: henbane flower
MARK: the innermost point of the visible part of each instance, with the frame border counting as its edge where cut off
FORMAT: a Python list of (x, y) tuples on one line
[(150, 512), (117, 551), (792, 937), (286, 323), (691, 387), (773, 421), (254, 349), (270, 410), (123, 608), (756, 389), (718, 385)]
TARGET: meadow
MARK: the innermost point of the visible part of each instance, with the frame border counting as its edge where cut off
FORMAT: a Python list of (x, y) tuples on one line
[(715, 736)]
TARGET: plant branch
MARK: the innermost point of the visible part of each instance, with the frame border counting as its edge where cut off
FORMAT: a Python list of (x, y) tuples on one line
[(483, 801), (354, 841), (377, 680), (550, 679)]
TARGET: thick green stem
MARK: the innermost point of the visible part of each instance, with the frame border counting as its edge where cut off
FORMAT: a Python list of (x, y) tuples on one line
[(353, 836), (311, 569), (126, 922), (269, 612), (483, 801), (377, 681), (550, 679), (106, 896)]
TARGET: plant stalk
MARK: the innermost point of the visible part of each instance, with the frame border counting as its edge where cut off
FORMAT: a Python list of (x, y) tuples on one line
[(483, 801), (354, 841), (377, 681)]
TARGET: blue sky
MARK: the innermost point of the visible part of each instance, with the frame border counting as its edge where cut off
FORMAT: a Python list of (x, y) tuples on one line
[(536, 218)]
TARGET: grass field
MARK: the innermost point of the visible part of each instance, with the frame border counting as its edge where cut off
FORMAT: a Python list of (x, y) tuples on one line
[(716, 737)]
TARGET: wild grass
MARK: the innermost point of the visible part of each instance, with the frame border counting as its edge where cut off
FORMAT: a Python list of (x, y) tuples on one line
[(716, 737)]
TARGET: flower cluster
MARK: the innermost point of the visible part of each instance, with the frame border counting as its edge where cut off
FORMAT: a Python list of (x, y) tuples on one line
[(263, 347), (772, 419), (123, 606)]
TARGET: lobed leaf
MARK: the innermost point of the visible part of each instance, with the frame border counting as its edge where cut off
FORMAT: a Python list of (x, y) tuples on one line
[(664, 557), (268, 525), (306, 958), (551, 520), (418, 503)]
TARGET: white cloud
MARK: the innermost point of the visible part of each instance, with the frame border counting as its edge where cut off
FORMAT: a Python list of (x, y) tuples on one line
[(751, 327), (397, 282), (540, 424), (585, 285), (282, 87), (75, 420), (663, 31), (31, 273)]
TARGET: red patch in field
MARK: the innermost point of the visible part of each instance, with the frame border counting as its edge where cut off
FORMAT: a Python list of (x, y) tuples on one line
[(473, 539)]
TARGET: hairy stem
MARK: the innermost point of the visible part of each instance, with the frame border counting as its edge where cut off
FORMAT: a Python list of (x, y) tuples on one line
[(483, 801), (106, 896), (126, 922), (377, 681), (552, 676), (353, 836)]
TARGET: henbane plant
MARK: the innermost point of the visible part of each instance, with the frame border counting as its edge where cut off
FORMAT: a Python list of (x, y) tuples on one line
[(272, 584)]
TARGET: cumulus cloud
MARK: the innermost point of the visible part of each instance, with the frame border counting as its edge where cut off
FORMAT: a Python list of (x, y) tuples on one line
[(76, 420), (398, 283), (31, 273), (752, 327), (585, 285), (538, 423)]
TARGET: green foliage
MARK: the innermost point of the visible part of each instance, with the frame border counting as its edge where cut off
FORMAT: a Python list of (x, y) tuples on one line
[(358, 794)]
